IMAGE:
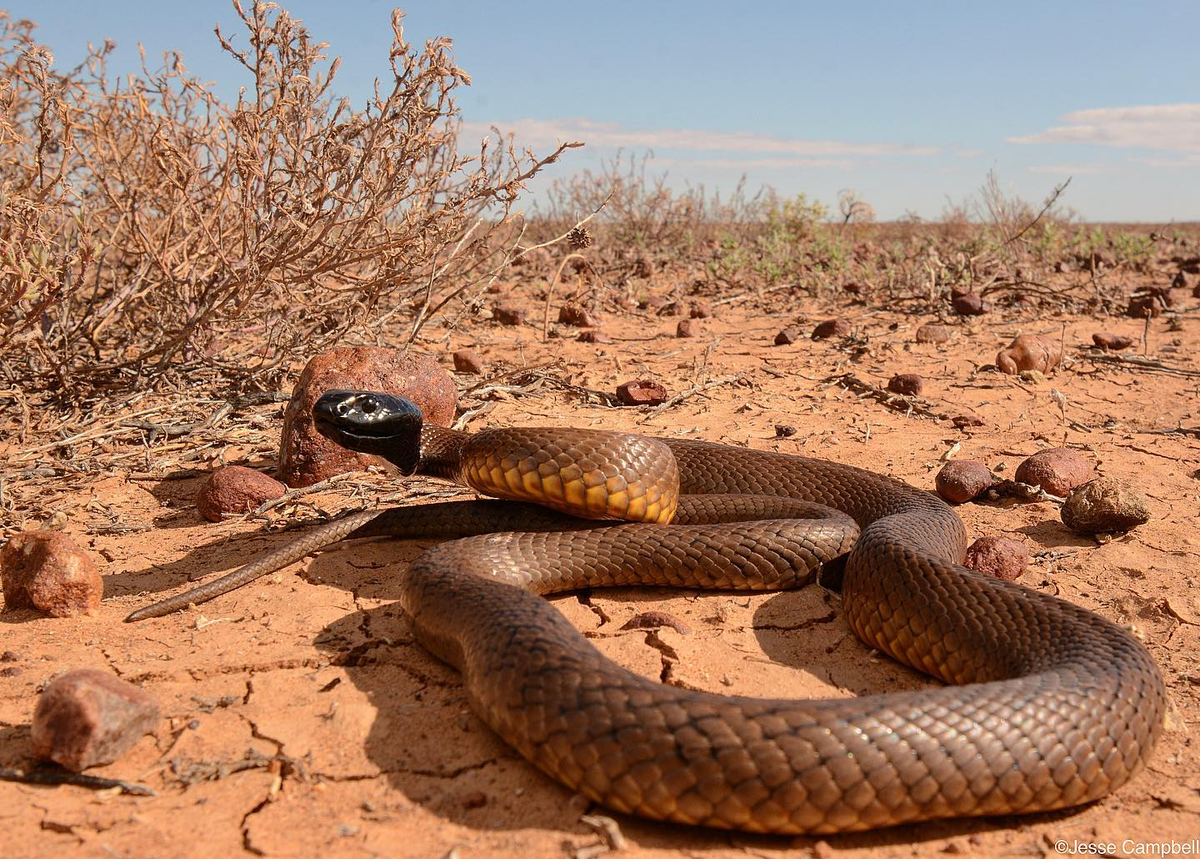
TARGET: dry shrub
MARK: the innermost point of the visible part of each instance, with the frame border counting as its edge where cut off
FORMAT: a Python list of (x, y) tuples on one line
[(290, 216)]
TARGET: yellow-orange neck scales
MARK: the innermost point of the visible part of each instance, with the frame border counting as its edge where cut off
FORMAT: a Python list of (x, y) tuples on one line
[(587, 473)]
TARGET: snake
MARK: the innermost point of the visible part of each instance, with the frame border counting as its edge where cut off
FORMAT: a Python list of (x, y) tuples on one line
[(1045, 704)]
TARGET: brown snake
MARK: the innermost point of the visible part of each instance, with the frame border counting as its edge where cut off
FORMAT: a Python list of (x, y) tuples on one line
[(1051, 705)]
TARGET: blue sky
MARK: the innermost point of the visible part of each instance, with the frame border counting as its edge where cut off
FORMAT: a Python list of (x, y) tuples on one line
[(909, 104)]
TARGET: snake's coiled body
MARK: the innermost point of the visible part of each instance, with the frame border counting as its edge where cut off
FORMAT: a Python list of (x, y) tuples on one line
[(1054, 706), (1051, 706)]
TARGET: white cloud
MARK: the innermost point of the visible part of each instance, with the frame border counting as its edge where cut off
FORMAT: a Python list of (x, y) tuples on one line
[(548, 132), (1169, 163), (1167, 127), (743, 164), (1068, 169)]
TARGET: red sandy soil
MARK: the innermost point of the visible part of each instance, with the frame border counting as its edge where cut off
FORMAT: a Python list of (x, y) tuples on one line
[(302, 719)]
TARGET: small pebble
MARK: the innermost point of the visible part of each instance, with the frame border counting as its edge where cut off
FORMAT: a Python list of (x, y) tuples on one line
[(701, 310), (906, 383), (593, 337), (652, 302), (475, 799), (687, 328), (932, 332), (963, 480), (655, 620), (787, 337), (86, 718), (1148, 301), (1103, 505), (999, 557), (1057, 470), (1115, 342), (641, 392), (506, 315), (1030, 352), (784, 430), (832, 328), (964, 421), (573, 314), (235, 489), (45, 570), (970, 304), (468, 361)]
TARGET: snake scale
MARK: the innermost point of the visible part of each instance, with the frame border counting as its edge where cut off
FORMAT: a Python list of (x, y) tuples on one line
[(1049, 705)]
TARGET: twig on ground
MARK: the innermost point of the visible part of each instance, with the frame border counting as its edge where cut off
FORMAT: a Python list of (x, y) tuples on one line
[(91, 782), (1135, 362)]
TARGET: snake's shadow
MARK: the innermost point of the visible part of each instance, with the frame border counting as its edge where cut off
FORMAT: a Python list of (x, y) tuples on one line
[(432, 748)]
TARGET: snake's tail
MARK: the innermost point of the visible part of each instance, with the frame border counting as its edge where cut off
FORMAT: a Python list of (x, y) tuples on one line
[(447, 519), (318, 538)]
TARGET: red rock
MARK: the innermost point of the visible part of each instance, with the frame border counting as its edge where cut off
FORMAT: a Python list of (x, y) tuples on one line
[(475, 799), (1057, 470), (932, 332), (999, 557), (506, 315), (963, 480), (1105, 505), (655, 620), (468, 361), (642, 392), (831, 328), (652, 302), (970, 304), (787, 337), (1030, 352), (1114, 342), (964, 421), (573, 314), (701, 310), (1148, 301), (86, 718), (593, 337), (235, 489), (45, 570), (784, 430), (306, 456), (675, 308), (906, 383), (687, 328)]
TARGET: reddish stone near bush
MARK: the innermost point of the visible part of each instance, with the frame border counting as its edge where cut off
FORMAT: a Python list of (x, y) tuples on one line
[(970, 304), (468, 361), (46, 571), (235, 489), (306, 456)]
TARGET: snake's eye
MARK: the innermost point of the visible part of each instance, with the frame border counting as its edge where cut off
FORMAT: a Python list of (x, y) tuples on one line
[(369, 405)]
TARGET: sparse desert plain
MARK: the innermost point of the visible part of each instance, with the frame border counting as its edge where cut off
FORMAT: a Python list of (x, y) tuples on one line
[(144, 347)]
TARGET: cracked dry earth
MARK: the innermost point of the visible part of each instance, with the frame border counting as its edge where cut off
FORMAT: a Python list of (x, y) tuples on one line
[(300, 718)]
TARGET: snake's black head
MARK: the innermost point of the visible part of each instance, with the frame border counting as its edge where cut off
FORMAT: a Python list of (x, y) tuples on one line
[(371, 422)]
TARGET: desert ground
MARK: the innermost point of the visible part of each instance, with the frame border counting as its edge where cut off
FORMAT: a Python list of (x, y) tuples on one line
[(301, 718)]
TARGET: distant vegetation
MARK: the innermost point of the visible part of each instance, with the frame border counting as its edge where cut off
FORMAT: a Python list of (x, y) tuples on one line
[(147, 229)]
